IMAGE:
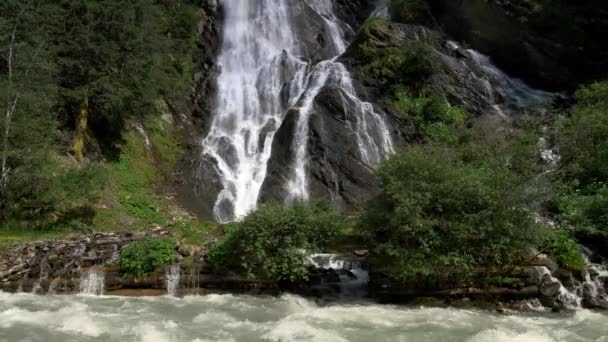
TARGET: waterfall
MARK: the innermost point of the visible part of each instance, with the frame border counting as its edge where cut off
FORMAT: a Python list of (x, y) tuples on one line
[(263, 76), (371, 130), (92, 282), (509, 95), (256, 61), (172, 278)]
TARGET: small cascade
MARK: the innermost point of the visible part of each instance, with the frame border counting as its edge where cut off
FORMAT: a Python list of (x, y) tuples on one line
[(509, 95), (115, 255), (570, 299), (595, 287), (53, 286), (350, 274), (37, 287), (172, 278), (92, 282)]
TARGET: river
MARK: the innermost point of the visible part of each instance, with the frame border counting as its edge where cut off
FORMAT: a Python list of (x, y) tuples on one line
[(26, 317)]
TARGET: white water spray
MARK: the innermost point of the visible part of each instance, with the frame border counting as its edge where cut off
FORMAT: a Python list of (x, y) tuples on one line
[(92, 282), (256, 64), (172, 278)]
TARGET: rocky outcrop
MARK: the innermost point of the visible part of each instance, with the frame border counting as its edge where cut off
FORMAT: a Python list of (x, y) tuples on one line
[(40, 264), (540, 41)]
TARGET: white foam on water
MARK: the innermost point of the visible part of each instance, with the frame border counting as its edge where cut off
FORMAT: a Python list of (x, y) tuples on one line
[(149, 333), (286, 318), (496, 335)]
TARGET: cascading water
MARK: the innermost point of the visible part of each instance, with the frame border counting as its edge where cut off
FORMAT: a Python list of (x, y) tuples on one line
[(172, 278), (92, 282), (352, 272), (509, 95), (262, 76), (256, 62)]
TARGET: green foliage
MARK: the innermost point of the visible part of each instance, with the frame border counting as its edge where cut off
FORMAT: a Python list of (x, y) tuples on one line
[(436, 118), (120, 57), (132, 180), (445, 210), (410, 11), (561, 245), (147, 256), (583, 139), (272, 242), (408, 67)]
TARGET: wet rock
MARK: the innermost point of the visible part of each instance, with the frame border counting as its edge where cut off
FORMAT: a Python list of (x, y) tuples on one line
[(593, 298), (361, 252)]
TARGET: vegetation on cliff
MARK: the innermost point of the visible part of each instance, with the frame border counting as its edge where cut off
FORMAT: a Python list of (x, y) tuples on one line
[(73, 76), (583, 172)]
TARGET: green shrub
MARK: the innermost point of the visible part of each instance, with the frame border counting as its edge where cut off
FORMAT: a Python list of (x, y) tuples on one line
[(272, 242), (560, 244), (146, 256), (435, 117), (583, 172), (442, 212), (408, 67)]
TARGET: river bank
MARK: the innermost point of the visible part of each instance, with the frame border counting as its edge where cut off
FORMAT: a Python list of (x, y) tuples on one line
[(88, 264)]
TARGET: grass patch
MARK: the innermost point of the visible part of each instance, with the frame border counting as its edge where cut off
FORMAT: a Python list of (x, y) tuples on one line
[(9, 237), (193, 232)]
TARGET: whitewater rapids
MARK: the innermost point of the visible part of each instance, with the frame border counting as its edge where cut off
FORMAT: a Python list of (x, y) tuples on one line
[(26, 317)]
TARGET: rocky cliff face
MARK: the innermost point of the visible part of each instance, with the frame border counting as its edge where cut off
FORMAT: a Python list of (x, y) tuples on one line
[(540, 41), (335, 144)]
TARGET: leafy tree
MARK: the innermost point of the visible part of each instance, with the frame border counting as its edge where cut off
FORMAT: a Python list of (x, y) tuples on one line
[(445, 210), (28, 128), (583, 172), (115, 59), (273, 241)]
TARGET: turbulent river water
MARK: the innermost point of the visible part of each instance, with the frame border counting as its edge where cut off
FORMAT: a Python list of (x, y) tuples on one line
[(26, 317)]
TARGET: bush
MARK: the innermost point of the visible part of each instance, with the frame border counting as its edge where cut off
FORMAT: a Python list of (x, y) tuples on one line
[(408, 67), (272, 242), (146, 256), (435, 117), (559, 244), (442, 212), (583, 171)]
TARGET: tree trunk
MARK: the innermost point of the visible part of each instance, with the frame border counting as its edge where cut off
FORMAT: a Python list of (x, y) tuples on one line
[(80, 138)]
